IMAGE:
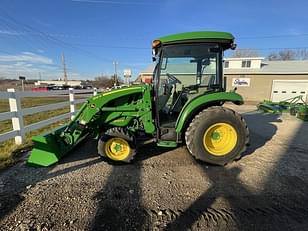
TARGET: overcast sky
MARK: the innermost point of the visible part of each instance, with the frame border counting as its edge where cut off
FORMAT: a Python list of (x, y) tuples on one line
[(94, 33)]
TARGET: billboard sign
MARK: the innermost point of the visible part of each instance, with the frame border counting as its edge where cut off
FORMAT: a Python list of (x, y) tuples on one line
[(127, 73)]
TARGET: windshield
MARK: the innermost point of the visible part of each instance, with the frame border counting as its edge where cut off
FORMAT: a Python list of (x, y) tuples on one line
[(191, 64), (184, 72)]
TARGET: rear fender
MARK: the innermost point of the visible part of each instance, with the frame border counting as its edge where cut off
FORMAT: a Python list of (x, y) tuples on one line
[(194, 106)]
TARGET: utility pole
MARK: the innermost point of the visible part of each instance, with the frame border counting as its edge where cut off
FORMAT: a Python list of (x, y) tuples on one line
[(22, 78), (64, 69), (115, 73), (40, 76)]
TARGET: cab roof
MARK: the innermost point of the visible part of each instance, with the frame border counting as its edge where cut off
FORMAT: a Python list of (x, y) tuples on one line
[(198, 36)]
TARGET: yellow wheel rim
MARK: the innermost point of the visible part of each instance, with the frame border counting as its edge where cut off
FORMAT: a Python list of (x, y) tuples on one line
[(117, 149), (220, 139)]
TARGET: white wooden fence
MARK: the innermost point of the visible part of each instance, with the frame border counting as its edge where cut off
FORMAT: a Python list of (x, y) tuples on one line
[(16, 113)]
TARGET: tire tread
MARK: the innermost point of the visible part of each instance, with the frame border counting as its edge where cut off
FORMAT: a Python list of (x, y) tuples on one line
[(200, 117), (122, 133)]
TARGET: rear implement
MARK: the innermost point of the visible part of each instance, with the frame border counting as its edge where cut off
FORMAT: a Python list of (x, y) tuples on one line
[(295, 106)]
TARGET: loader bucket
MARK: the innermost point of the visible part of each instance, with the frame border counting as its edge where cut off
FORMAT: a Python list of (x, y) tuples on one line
[(48, 149)]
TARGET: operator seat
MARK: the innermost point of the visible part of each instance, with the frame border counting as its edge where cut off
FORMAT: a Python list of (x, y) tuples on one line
[(212, 81), (163, 98)]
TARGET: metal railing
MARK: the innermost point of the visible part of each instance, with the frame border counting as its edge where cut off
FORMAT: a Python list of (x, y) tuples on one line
[(17, 113)]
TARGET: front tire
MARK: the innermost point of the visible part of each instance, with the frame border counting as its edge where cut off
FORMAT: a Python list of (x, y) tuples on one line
[(117, 144), (217, 135)]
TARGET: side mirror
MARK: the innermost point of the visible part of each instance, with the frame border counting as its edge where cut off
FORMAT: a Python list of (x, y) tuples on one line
[(233, 46)]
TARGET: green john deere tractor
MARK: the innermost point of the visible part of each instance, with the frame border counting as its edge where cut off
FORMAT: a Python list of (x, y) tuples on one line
[(183, 105)]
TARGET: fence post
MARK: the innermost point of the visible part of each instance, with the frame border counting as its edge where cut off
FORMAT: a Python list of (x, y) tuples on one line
[(94, 91), (72, 102), (17, 119)]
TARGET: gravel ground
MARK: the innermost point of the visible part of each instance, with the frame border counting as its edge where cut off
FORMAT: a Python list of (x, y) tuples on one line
[(166, 189)]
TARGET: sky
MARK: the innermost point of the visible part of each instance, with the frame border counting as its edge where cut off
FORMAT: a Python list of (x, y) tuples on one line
[(95, 34)]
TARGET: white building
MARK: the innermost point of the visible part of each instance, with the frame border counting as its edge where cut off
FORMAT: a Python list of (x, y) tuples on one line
[(58, 82)]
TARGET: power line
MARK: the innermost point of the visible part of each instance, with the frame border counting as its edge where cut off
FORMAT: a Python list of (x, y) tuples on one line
[(58, 67), (51, 37), (13, 32), (17, 35), (274, 36), (55, 40), (111, 47), (274, 48), (116, 2)]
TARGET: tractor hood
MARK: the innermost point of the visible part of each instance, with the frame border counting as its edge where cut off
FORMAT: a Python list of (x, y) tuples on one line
[(123, 90)]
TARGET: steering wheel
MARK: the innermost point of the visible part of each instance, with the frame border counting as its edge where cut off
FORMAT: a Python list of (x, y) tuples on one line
[(190, 88), (172, 79)]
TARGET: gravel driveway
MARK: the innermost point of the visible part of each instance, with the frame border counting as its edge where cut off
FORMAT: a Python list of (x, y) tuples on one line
[(166, 189)]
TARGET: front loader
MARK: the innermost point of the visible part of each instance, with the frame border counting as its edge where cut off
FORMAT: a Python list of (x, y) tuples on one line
[(183, 105)]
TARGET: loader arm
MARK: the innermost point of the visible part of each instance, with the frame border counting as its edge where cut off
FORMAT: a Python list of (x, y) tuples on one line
[(117, 108)]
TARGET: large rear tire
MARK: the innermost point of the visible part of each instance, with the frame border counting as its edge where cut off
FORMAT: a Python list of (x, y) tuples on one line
[(118, 145), (217, 135)]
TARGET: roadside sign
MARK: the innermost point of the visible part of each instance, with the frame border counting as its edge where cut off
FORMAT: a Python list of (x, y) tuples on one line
[(127, 73)]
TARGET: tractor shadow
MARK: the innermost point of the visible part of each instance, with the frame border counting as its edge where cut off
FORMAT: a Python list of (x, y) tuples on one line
[(15, 181), (203, 206), (228, 204), (261, 129), (150, 149), (280, 204), (119, 203)]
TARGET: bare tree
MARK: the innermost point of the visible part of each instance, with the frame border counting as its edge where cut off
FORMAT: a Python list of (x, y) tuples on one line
[(249, 52), (273, 56), (302, 54), (103, 81), (289, 54)]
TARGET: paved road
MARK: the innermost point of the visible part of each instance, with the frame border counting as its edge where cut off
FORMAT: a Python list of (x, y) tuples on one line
[(167, 189)]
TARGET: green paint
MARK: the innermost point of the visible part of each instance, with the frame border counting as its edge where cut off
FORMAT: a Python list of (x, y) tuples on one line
[(302, 112), (198, 35), (118, 147), (215, 135), (46, 149), (167, 144), (127, 104), (43, 158), (201, 102), (49, 148)]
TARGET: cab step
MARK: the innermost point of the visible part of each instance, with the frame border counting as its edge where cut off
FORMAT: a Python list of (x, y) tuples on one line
[(167, 143)]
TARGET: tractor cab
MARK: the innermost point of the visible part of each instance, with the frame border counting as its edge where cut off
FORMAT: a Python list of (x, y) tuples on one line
[(187, 65)]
